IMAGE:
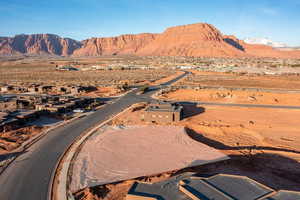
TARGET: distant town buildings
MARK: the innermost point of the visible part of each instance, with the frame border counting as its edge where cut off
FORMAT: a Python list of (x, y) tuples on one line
[(66, 68), (184, 67), (120, 67), (17, 109), (46, 89)]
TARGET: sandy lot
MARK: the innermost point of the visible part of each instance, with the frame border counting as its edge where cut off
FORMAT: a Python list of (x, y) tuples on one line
[(104, 92), (125, 153), (263, 144), (262, 127), (234, 126), (47, 74), (237, 80), (234, 96)]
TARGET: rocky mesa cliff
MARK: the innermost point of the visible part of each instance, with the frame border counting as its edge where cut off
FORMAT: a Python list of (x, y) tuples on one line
[(38, 44), (124, 44), (191, 40), (198, 40)]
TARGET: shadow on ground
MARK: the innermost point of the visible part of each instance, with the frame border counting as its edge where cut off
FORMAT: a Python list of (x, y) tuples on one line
[(270, 169), (6, 156), (191, 109), (273, 170), (146, 195), (218, 145)]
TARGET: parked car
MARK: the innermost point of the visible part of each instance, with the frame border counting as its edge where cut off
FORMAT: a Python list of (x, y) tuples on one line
[(78, 110)]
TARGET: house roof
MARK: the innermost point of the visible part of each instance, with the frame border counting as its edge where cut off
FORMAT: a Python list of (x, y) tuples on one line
[(218, 187), (163, 107)]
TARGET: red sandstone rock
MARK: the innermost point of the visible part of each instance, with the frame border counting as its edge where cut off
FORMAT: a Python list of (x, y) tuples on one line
[(199, 40), (38, 44), (124, 44), (191, 40)]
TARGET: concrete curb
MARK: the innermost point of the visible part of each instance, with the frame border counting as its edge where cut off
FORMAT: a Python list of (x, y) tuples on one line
[(32, 141), (121, 95), (35, 139), (254, 89), (156, 96), (61, 176)]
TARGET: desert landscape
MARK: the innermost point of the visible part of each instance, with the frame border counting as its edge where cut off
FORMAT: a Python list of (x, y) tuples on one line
[(47, 74), (150, 100), (248, 135), (234, 96), (261, 142), (242, 80)]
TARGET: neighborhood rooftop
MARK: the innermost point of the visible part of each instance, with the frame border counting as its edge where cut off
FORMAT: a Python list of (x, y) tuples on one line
[(218, 187)]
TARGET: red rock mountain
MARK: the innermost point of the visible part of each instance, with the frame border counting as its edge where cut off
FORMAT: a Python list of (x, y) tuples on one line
[(190, 40), (38, 44), (199, 40), (124, 44)]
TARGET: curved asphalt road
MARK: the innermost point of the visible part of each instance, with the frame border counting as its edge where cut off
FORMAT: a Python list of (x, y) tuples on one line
[(29, 176)]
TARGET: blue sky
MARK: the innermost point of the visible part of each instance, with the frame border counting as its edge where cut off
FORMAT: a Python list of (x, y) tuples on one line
[(278, 20)]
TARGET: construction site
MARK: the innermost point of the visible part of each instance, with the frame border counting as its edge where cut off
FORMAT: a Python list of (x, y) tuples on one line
[(139, 100), (255, 128), (231, 126)]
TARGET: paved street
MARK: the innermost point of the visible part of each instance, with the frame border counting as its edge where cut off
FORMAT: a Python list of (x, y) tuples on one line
[(28, 177)]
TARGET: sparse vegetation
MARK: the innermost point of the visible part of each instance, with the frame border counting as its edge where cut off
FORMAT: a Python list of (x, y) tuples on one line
[(295, 65), (48, 75), (144, 89)]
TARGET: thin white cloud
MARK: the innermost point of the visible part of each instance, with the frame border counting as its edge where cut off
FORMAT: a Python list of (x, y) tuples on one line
[(269, 11)]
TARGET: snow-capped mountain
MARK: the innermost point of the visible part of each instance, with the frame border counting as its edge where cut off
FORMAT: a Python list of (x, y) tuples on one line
[(265, 41)]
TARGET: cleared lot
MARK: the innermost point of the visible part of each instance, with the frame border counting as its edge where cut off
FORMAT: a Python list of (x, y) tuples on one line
[(241, 80), (124, 153), (234, 96)]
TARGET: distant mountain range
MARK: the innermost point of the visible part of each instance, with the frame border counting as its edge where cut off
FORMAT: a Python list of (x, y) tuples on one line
[(38, 44), (198, 40)]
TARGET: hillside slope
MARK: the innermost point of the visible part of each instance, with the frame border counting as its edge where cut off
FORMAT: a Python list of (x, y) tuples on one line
[(38, 44), (198, 40)]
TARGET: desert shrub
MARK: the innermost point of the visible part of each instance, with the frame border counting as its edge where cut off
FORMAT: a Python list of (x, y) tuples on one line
[(144, 88)]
